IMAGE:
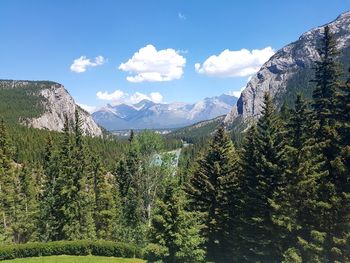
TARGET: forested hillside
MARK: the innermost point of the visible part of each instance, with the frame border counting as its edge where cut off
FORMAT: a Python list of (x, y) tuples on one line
[(42, 105), (18, 104)]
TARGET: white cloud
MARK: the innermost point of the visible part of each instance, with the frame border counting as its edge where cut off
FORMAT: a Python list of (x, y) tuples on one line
[(81, 64), (135, 98), (156, 97), (88, 108), (239, 63), (151, 65), (236, 93), (181, 16), (114, 96), (118, 97)]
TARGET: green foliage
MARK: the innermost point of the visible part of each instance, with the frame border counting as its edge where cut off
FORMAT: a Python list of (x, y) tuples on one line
[(197, 133), (106, 211), (148, 143), (24, 226), (74, 193), (7, 189), (295, 204), (292, 255), (334, 187), (209, 191), (79, 248), (75, 259), (48, 199), (17, 104), (140, 182), (156, 253), (262, 166), (175, 233)]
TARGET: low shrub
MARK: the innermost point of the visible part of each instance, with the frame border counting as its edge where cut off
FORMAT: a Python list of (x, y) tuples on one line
[(76, 248), (156, 253)]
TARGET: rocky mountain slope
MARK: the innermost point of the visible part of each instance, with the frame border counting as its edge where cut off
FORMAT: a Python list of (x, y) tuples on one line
[(147, 114), (289, 71), (42, 104)]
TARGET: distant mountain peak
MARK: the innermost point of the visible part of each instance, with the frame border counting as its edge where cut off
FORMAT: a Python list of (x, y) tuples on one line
[(148, 114)]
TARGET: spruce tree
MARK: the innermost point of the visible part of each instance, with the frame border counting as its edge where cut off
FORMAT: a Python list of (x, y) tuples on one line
[(129, 179), (295, 202), (209, 192), (343, 112), (327, 80), (75, 186), (248, 185), (66, 188), (105, 214), (123, 177), (334, 195), (174, 235), (84, 183), (49, 198), (262, 166), (25, 222)]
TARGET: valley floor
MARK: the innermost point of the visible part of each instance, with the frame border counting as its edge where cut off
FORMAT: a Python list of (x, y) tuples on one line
[(74, 259)]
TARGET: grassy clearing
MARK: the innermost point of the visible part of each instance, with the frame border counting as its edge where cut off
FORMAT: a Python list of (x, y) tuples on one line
[(74, 259)]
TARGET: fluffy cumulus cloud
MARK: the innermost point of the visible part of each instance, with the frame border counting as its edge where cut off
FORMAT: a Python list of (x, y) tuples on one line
[(149, 64), (239, 63), (236, 93), (156, 97), (83, 63), (118, 97), (86, 107), (114, 96)]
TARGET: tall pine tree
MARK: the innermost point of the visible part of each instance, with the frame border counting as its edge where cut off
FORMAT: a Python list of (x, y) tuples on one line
[(105, 209), (49, 198), (26, 211), (209, 191), (262, 166), (75, 187), (334, 191), (174, 234), (295, 202)]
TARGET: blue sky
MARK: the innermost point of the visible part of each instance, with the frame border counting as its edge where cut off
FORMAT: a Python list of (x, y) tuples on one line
[(40, 40)]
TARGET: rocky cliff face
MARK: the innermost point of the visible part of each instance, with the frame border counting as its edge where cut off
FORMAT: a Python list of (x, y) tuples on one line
[(56, 103), (292, 61)]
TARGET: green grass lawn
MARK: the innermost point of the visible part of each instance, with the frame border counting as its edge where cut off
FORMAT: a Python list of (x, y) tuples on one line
[(73, 259)]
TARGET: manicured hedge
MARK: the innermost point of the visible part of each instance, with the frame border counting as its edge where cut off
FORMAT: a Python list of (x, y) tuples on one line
[(77, 248)]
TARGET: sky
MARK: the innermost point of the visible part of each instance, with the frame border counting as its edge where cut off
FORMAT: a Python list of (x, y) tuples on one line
[(164, 50)]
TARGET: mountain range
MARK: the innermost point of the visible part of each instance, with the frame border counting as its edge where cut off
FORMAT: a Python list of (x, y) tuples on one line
[(150, 115)]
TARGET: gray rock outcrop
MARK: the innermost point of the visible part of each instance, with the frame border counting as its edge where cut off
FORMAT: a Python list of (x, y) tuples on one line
[(56, 103), (274, 75)]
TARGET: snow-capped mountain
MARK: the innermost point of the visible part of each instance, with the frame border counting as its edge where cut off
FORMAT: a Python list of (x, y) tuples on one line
[(149, 115)]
